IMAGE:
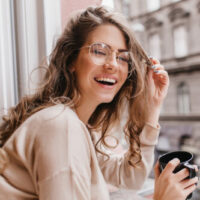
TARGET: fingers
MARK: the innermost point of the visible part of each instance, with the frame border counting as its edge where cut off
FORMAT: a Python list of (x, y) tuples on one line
[(190, 189), (171, 166), (156, 64), (189, 182), (154, 60), (159, 69), (160, 73), (182, 174)]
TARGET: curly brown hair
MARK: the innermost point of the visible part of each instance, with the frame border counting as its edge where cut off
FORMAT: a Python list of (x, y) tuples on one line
[(60, 83)]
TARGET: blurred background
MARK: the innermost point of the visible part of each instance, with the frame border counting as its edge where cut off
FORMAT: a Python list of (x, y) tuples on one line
[(170, 31), (167, 29)]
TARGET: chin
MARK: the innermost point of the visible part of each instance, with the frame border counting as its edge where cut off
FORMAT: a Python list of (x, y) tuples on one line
[(106, 100)]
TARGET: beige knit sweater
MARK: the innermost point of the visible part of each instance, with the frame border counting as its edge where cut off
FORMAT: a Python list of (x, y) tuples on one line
[(52, 157)]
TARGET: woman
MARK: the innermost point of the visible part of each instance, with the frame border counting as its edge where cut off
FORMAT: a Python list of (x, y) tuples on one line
[(54, 142)]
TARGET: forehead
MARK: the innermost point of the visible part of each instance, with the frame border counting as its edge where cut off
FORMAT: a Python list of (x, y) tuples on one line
[(108, 34)]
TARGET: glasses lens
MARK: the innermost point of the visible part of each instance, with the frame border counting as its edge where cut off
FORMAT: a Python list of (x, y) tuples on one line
[(124, 58), (98, 53)]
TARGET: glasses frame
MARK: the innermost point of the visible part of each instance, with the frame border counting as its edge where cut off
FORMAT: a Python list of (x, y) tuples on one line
[(117, 52)]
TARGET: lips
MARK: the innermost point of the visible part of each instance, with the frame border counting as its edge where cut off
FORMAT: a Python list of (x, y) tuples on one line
[(105, 80)]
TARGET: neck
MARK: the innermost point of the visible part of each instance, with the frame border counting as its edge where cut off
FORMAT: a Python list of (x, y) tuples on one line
[(84, 110)]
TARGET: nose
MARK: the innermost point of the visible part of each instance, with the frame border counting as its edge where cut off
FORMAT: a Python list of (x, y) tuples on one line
[(112, 64)]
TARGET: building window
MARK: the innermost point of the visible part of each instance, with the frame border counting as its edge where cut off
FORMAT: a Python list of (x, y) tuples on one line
[(153, 5), (183, 98), (154, 45), (180, 41)]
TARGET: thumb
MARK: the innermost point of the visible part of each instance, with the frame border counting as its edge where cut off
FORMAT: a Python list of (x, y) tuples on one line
[(157, 170)]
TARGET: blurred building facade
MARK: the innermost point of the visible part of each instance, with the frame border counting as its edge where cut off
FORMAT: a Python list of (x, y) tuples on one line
[(170, 31)]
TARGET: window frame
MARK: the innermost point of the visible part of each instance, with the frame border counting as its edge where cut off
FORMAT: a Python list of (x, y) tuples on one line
[(182, 92), (8, 70), (177, 55)]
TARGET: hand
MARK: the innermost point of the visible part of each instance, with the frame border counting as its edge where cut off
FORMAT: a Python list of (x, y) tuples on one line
[(158, 83), (173, 186)]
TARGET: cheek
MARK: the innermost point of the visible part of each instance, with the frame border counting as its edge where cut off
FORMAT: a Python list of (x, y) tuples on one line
[(124, 74), (85, 65), (81, 67), (83, 74)]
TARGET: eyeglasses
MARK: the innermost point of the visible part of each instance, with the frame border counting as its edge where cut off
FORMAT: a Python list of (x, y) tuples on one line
[(101, 53)]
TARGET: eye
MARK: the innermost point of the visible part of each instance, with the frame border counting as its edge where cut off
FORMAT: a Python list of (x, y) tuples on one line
[(99, 52), (123, 58)]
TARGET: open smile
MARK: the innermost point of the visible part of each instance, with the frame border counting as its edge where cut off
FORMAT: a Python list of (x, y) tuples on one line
[(106, 81)]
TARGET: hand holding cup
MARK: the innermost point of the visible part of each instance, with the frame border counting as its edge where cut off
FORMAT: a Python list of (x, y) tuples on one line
[(175, 177)]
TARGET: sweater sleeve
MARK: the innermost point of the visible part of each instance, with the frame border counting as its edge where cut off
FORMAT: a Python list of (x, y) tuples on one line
[(119, 173), (62, 161)]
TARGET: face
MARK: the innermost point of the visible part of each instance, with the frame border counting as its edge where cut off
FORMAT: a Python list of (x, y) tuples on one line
[(100, 83)]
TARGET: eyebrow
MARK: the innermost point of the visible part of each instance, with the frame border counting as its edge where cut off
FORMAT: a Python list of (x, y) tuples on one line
[(123, 50), (119, 50)]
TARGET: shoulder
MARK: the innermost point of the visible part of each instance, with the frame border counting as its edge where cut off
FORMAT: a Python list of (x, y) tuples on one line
[(59, 127), (59, 111), (52, 121), (55, 125), (53, 115)]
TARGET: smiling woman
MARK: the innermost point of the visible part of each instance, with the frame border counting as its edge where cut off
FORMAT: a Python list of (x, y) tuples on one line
[(103, 73), (53, 143)]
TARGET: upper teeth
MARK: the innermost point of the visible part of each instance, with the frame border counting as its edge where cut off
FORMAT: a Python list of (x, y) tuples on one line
[(106, 80)]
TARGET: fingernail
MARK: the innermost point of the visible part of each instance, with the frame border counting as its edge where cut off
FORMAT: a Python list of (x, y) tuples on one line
[(156, 71), (153, 67)]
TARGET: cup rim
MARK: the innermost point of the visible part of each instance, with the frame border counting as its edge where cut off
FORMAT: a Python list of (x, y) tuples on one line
[(173, 152)]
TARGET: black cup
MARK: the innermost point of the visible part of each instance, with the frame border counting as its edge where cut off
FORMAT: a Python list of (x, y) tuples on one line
[(185, 159)]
